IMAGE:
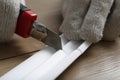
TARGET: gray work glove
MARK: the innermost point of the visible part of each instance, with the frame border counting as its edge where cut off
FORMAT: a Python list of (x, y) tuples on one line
[(91, 20), (9, 11)]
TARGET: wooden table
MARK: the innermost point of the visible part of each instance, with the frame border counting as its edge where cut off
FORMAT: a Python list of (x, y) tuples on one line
[(100, 62)]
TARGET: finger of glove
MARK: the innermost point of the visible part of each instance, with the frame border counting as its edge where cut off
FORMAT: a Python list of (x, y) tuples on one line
[(9, 11), (94, 22), (112, 28), (73, 12)]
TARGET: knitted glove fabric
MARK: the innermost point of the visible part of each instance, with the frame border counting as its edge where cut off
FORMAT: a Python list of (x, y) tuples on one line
[(73, 12), (112, 28), (22, 1), (95, 19), (9, 11), (85, 19)]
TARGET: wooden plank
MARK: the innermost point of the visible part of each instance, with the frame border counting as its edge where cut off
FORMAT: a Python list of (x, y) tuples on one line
[(19, 46)]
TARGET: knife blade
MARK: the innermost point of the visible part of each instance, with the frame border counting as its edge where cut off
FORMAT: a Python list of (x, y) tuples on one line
[(49, 37)]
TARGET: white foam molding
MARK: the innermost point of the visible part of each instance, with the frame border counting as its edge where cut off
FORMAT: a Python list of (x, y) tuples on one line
[(29, 65), (41, 72), (84, 46), (59, 62), (48, 64), (71, 46), (63, 40)]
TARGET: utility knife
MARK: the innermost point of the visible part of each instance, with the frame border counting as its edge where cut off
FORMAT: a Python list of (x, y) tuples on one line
[(28, 26)]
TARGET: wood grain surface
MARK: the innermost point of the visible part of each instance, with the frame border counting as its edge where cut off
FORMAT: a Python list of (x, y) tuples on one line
[(19, 46)]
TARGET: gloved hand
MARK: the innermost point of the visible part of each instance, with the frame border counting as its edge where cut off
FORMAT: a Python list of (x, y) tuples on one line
[(9, 11), (89, 20)]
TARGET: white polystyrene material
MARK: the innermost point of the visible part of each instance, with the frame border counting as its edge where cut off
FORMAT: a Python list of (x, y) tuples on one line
[(56, 66), (62, 66), (71, 46), (63, 40), (48, 63), (40, 72), (55, 70), (29, 65), (84, 46), (56, 59)]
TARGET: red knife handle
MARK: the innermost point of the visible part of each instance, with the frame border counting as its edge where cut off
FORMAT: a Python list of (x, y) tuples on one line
[(25, 22)]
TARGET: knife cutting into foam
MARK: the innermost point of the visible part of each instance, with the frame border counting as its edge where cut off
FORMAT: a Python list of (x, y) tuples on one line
[(27, 26)]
